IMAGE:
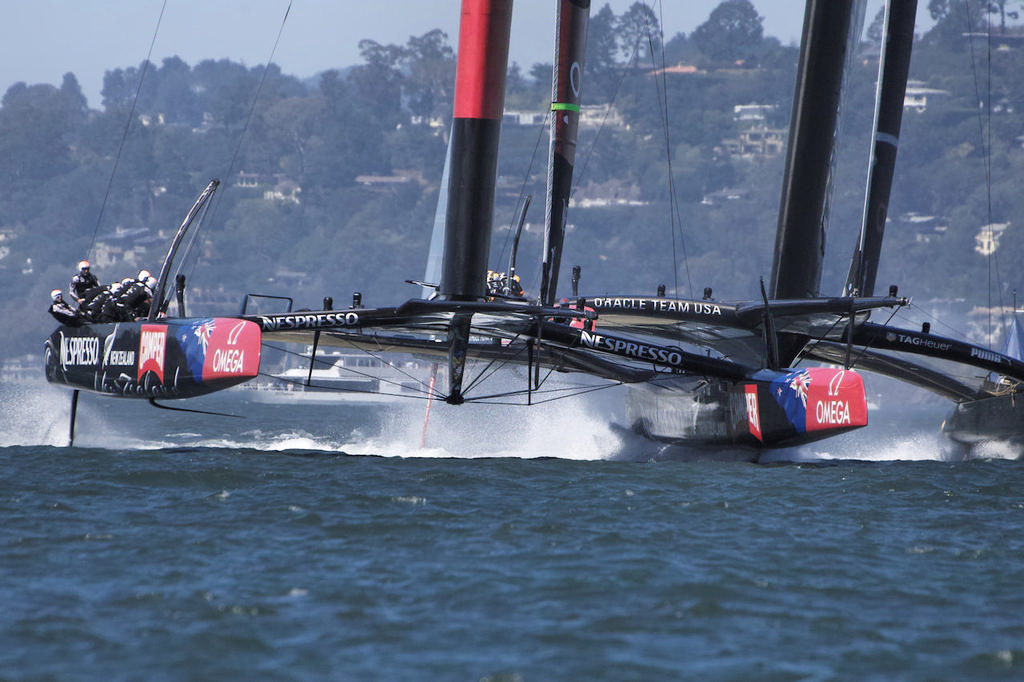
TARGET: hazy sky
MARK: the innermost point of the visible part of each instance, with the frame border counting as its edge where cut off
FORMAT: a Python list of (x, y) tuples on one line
[(41, 40)]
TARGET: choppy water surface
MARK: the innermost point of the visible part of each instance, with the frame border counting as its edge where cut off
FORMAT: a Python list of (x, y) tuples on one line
[(162, 553)]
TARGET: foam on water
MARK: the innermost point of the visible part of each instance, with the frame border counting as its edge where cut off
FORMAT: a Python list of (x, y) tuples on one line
[(34, 413), (567, 429), (580, 428), (869, 446)]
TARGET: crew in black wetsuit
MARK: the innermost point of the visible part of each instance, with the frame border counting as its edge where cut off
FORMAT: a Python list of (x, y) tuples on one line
[(64, 313), (134, 302), (103, 306), (82, 283)]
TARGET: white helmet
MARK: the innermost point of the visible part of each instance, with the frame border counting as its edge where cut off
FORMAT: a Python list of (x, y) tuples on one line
[(151, 283), (143, 275), (83, 265), (54, 295)]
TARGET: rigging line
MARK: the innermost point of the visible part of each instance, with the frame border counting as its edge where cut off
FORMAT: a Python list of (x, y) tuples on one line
[(553, 393), (986, 141), (248, 119), (491, 368), (675, 215), (937, 321), (854, 361), (127, 127), (578, 177), (490, 399), (558, 393), (519, 202), (994, 256), (350, 391), (822, 336), (349, 370), (390, 365), (557, 354), (379, 356)]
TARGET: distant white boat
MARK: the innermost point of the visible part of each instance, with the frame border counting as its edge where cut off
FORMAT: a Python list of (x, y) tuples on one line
[(347, 377)]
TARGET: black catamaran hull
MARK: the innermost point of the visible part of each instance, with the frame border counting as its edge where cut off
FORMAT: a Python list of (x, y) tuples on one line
[(181, 358), (996, 421)]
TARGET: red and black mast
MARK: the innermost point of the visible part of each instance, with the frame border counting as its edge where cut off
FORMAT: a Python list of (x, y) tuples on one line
[(570, 48), (476, 130)]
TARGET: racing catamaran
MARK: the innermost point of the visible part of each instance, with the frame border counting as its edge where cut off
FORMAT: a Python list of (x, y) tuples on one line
[(731, 367), (699, 371), (983, 384)]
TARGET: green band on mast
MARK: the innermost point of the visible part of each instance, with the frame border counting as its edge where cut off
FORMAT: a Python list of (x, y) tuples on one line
[(565, 106)]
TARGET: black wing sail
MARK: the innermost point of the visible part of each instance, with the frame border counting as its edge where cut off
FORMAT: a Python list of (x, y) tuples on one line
[(894, 67), (800, 238)]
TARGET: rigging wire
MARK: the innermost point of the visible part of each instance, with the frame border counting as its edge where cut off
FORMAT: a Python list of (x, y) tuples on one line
[(301, 382), (674, 211), (241, 137), (985, 135), (578, 176), (554, 393), (127, 127), (855, 360), (662, 95), (519, 202)]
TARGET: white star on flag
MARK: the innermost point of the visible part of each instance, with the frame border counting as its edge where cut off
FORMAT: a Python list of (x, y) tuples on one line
[(800, 384)]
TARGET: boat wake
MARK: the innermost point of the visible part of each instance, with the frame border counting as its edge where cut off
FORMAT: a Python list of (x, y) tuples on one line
[(582, 428), (913, 446)]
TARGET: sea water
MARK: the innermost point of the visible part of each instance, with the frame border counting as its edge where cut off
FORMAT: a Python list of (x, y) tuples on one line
[(311, 543)]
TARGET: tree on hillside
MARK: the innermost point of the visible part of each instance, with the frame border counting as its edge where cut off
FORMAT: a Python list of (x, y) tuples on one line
[(681, 49), (639, 33), (228, 90), (514, 81), (377, 83), (732, 33), (430, 62), (175, 98), (941, 9), (953, 18), (600, 71), (120, 86), (541, 72), (75, 105), (34, 125)]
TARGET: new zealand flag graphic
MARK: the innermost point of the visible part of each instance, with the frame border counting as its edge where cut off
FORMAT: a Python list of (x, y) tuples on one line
[(790, 392), (194, 340)]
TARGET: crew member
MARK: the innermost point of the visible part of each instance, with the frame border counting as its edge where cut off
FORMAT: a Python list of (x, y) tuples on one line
[(499, 284), (64, 313), (135, 302), (102, 306), (82, 283)]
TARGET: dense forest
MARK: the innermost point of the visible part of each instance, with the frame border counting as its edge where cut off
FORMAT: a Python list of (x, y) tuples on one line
[(330, 186)]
